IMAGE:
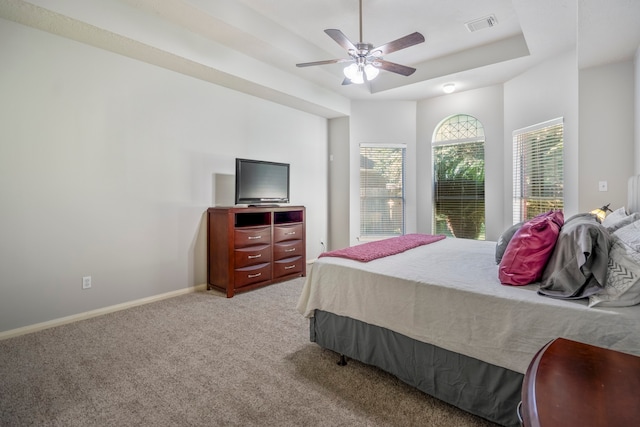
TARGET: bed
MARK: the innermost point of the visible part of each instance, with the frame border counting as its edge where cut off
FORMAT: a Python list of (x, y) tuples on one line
[(437, 317)]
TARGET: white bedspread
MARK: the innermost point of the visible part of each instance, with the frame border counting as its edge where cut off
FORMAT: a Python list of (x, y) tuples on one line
[(448, 294)]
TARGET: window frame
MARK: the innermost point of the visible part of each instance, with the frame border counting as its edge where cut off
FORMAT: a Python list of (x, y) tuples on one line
[(549, 182), (467, 220), (368, 232)]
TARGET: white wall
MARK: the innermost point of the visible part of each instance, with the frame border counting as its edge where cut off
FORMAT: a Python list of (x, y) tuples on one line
[(339, 194), (391, 122), (486, 105), (107, 167), (545, 92), (606, 134)]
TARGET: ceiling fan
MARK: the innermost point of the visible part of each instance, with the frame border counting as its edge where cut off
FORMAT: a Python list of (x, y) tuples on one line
[(366, 61)]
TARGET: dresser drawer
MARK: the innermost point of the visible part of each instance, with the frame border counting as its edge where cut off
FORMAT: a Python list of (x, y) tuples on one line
[(252, 274), (287, 249), (287, 266), (251, 236), (282, 233), (251, 255)]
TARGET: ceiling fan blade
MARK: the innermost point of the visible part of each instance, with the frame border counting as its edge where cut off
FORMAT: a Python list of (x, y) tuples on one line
[(346, 81), (401, 43), (328, 61), (341, 39), (393, 67)]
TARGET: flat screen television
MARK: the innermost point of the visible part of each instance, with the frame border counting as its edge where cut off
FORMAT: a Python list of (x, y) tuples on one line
[(260, 182)]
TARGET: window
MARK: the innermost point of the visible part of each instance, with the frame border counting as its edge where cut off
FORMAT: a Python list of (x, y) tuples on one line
[(458, 177), (381, 190), (537, 169)]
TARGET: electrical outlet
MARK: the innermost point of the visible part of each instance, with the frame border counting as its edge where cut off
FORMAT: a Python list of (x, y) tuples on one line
[(86, 282)]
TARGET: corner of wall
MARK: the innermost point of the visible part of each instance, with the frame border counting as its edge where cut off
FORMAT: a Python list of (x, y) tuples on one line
[(636, 79)]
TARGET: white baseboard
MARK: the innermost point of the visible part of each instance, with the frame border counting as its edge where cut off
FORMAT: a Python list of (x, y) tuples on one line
[(98, 312)]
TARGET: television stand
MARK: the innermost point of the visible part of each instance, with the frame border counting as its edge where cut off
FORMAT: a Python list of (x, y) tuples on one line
[(250, 247)]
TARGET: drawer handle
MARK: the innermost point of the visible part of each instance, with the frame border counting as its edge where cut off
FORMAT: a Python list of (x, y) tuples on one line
[(291, 233), (254, 237), (251, 276), (289, 267), (290, 250), (254, 256)]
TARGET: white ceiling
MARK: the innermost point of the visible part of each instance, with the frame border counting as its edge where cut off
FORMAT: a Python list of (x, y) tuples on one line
[(253, 45)]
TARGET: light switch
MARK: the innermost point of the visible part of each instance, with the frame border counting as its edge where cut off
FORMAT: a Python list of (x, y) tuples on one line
[(602, 186)]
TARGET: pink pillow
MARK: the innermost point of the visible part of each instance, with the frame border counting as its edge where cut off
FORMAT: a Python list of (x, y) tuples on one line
[(529, 249)]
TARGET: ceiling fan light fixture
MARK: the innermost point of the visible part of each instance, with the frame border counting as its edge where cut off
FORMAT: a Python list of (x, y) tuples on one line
[(356, 73), (358, 80), (367, 60), (371, 71), (353, 73)]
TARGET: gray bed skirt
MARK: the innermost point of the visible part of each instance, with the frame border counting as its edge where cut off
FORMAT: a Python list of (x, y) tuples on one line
[(485, 390)]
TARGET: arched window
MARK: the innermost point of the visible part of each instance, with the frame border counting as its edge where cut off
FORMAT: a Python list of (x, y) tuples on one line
[(458, 177)]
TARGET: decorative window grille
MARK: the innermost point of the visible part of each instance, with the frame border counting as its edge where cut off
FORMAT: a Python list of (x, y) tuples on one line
[(381, 190), (458, 177), (538, 171)]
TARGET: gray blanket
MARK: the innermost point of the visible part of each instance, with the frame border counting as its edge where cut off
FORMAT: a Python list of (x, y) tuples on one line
[(578, 265)]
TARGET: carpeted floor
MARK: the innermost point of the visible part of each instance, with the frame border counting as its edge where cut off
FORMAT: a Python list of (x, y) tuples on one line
[(202, 360)]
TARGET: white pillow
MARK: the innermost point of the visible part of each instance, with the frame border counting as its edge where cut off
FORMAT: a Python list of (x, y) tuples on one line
[(623, 274), (630, 234), (614, 217), (618, 219)]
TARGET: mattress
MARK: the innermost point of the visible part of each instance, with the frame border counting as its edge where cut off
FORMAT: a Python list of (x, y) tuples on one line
[(448, 294)]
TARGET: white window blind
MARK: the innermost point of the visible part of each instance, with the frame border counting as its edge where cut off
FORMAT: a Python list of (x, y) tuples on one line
[(381, 190), (538, 171)]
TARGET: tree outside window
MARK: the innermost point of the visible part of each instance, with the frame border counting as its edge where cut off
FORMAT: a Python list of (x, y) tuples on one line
[(458, 176)]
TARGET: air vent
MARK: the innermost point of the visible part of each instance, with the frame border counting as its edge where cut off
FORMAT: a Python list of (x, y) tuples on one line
[(479, 24)]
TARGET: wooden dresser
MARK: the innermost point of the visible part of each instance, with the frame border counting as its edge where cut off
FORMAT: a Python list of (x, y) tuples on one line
[(255, 246), (574, 384)]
